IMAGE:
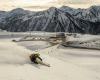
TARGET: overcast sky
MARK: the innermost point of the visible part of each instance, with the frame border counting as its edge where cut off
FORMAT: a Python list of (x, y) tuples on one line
[(44, 4)]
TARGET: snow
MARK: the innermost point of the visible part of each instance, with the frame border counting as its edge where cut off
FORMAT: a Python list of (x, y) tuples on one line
[(66, 63), (10, 53)]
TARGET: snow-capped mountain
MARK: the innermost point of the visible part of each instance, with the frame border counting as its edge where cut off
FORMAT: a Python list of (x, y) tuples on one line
[(64, 19), (90, 14)]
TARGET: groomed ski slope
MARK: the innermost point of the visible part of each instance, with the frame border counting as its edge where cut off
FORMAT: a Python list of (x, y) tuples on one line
[(66, 63)]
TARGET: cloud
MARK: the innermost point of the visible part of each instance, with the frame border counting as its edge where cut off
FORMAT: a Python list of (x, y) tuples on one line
[(44, 4), (74, 1)]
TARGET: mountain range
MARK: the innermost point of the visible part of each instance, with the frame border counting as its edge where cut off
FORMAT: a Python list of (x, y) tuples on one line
[(63, 19)]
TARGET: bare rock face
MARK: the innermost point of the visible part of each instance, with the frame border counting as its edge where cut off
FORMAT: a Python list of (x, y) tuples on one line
[(64, 19), (90, 14)]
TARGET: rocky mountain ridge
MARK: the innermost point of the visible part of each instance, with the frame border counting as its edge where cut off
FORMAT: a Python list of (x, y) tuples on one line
[(64, 19)]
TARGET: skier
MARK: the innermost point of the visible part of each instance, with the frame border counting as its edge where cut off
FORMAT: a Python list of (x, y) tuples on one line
[(35, 58)]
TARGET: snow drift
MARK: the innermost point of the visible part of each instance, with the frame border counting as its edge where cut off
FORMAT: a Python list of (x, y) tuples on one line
[(11, 53)]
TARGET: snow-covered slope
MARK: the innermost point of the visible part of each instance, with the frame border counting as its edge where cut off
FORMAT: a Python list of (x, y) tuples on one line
[(66, 63), (10, 53)]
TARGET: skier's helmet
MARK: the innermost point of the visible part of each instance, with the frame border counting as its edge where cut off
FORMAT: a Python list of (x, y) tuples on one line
[(36, 53)]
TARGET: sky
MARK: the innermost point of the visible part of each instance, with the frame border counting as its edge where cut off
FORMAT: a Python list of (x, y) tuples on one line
[(45, 4)]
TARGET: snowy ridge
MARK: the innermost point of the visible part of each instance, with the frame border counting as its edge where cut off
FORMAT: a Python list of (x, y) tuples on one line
[(90, 14), (84, 41)]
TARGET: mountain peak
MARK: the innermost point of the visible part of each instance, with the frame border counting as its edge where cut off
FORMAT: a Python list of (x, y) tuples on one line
[(52, 8), (64, 19), (17, 9)]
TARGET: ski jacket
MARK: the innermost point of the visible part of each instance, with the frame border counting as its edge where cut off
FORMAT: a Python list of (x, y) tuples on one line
[(33, 58)]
